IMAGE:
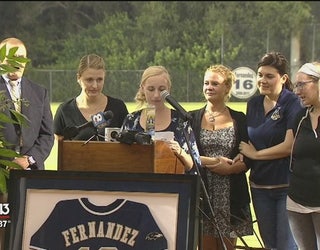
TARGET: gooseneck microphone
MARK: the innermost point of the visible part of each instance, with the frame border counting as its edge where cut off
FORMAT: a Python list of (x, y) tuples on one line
[(165, 95), (99, 120)]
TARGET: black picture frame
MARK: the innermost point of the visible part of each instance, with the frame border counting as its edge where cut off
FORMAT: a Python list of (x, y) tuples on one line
[(173, 200)]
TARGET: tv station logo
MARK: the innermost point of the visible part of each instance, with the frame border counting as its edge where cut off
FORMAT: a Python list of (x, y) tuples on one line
[(4, 215)]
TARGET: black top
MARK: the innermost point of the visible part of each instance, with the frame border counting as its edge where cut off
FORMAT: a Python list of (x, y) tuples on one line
[(68, 115), (304, 182)]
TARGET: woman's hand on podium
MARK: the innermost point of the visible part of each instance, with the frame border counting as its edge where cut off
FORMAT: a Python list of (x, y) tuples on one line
[(184, 157), (175, 147)]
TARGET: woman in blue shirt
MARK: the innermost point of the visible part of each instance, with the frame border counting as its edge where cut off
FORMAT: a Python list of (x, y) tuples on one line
[(270, 119)]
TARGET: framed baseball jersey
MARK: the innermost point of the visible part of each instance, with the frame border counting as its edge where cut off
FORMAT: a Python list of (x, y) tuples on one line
[(102, 211)]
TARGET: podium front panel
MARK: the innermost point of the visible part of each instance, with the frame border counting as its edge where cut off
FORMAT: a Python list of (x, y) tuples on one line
[(105, 156), (166, 162)]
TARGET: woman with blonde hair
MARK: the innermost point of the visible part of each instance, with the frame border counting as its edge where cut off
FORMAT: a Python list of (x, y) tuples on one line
[(218, 130), (155, 80)]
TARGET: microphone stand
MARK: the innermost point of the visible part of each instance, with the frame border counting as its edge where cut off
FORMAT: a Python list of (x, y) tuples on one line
[(204, 189), (96, 134)]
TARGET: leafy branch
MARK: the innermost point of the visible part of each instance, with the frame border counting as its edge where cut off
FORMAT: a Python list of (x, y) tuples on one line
[(9, 64)]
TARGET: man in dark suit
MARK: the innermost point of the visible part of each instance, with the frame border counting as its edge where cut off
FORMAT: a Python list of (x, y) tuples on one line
[(34, 140)]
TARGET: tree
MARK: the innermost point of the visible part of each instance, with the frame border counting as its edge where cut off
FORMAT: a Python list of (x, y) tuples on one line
[(183, 36)]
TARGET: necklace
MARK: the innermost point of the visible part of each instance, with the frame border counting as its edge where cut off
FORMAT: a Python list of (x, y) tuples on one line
[(212, 116)]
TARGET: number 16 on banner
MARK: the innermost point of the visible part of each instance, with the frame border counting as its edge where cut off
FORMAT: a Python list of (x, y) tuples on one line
[(246, 83)]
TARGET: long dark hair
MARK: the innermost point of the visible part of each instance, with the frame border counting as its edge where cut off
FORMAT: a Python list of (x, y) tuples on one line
[(280, 63)]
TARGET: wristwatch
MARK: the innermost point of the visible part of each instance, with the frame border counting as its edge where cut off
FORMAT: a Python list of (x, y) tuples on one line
[(31, 160)]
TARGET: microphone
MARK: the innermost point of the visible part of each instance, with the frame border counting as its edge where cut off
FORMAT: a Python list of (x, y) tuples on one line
[(129, 137), (99, 120), (126, 137), (165, 95)]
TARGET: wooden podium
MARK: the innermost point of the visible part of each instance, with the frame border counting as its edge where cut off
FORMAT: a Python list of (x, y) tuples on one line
[(165, 160), (117, 157)]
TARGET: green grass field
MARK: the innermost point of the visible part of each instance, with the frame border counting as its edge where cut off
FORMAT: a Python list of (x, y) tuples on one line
[(51, 162)]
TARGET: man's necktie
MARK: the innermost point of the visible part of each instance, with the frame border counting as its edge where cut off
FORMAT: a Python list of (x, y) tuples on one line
[(14, 90), (15, 95)]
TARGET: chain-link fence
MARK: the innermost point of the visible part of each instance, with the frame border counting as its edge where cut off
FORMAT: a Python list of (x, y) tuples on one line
[(62, 84)]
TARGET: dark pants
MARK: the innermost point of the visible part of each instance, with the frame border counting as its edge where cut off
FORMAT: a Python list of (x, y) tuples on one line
[(271, 213)]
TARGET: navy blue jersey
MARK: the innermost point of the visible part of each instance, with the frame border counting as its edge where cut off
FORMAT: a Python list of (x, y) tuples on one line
[(78, 224)]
